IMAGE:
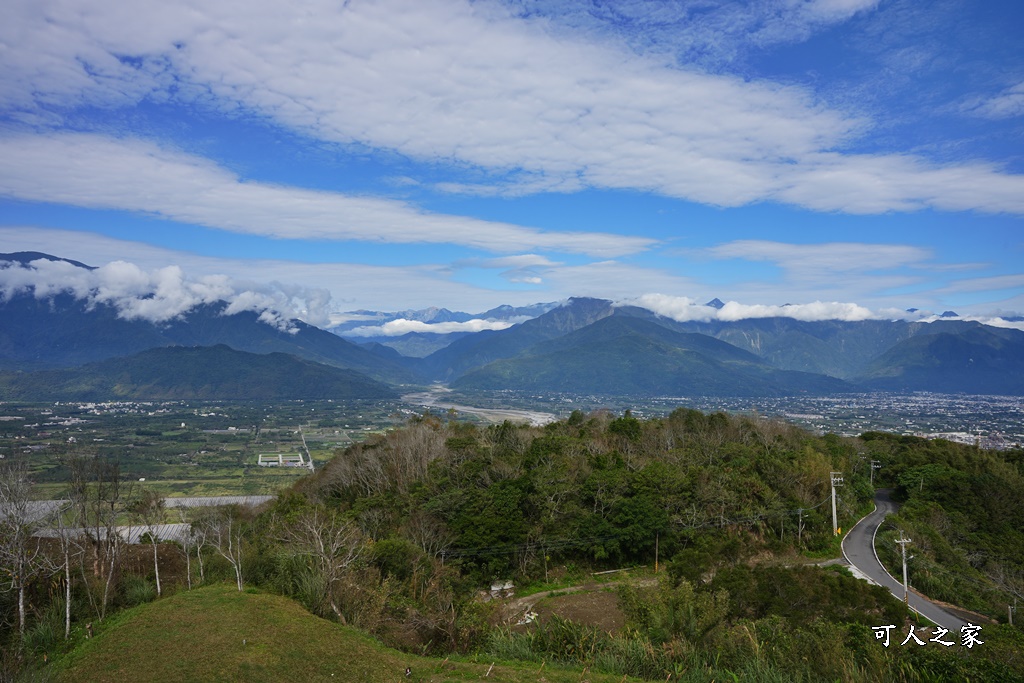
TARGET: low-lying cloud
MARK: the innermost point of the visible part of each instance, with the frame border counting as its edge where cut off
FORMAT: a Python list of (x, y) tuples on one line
[(685, 309), (396, 328), (163, 294)]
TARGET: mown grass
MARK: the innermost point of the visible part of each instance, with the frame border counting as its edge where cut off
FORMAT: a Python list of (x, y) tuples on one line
[(218, 634)]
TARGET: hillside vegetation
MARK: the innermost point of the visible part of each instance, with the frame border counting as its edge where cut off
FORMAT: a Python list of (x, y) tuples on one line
[(401, 535)]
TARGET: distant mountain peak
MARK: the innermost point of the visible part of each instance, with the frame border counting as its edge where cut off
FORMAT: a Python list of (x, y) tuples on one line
[(26, 257), (949, 314), (715, 303)]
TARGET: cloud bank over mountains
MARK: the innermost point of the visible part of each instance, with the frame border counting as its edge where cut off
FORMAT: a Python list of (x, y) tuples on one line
[(400, 326), (162, 294), (685, 309)]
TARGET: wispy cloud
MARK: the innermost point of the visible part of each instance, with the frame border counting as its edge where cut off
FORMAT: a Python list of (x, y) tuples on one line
[(712, 33), (802, 261), (1005, 105), (135, 175), (472, 83)]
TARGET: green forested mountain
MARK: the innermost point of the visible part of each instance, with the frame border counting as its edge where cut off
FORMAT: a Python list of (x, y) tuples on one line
[(628, 355), (62, 331), (557, 352), (570, 348), (176, 372), (975, 360), (479, 349)]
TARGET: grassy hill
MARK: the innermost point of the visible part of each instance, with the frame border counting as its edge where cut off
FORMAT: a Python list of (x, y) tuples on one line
[(218, 634)]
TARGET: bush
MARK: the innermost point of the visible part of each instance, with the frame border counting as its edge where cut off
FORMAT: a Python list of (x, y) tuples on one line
[(136, 590)]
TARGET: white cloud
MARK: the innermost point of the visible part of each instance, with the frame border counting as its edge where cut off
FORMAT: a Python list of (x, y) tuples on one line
[(831, 258), (396, 328), (835, 10), (352, 285), (160, 295), (1006, 105), (440, 80), (979, 284), (134, 175), (612, 280), (521, 268), (684, 309)]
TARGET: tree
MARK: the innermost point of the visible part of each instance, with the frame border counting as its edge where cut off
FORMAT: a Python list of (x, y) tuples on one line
[(98, 497), (149, 510), (330, 542), (224, 528), (20, 558), (70, 548)]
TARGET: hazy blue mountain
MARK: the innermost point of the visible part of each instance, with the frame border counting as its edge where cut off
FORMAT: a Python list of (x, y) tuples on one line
[(582, 343), (26, 257), (481, 348), (623, 354), (422, 344), (180, 373), (412, 344), (506, 312), (829, 347), (63, 331)]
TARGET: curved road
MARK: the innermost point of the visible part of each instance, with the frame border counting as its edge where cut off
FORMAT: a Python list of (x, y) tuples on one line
[(859, 551)]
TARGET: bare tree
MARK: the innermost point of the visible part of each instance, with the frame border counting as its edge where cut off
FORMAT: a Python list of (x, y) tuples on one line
[(149, 510), (99, 496), (428, 533), (188, 541), (20, 558), (329, 541), (71, 549), (198, 534), (224, 528)]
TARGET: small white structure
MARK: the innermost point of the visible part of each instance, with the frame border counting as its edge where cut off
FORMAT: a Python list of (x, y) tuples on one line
[(502, 590), (281, 460)]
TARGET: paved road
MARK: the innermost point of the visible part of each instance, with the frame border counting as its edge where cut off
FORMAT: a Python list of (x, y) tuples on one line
[(859, 550)]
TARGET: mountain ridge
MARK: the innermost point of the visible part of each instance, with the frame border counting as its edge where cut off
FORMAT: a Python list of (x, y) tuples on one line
[(193, 373)]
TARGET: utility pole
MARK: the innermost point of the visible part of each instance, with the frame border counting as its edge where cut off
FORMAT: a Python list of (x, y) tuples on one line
[(874, 466), (906, 586), (837, 480)]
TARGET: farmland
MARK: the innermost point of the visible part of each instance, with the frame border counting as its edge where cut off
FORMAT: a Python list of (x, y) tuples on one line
[(187, 448)]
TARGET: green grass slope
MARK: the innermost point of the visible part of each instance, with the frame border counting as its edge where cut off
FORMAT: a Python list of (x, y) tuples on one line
[(218, 634)]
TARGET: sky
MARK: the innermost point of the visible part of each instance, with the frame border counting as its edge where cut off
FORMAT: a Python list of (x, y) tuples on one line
[(855, 158)]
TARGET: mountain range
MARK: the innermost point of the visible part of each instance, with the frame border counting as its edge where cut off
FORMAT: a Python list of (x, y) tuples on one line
[(198, 373), (582, 345)]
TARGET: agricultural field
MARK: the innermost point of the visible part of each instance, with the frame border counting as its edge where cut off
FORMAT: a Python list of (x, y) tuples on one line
[(188, 448)]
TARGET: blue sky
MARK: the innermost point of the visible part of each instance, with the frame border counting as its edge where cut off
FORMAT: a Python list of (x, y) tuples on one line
[(394, 154)]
